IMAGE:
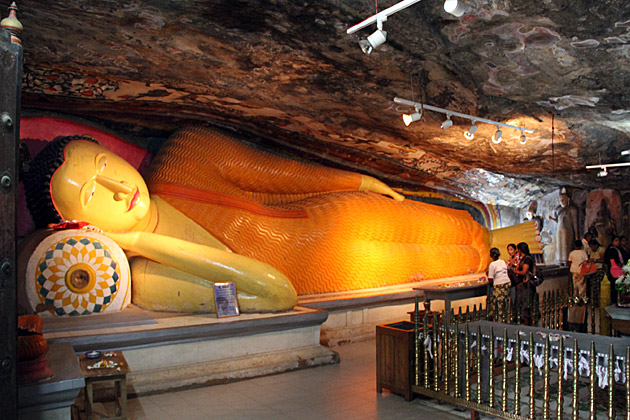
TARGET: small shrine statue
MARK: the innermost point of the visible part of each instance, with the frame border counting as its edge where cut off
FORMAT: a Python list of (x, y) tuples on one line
[(215, 209), (567, 233), (604, 224)]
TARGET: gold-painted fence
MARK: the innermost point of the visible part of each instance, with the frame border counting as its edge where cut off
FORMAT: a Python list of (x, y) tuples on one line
[(521, 372), (549, 307)]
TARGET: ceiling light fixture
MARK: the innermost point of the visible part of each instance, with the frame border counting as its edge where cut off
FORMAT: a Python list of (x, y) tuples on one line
[(379, 37), (447, 122), (496, 137), (455, 7), (410, 118), (375, 40), (470, 134), (604, 167)]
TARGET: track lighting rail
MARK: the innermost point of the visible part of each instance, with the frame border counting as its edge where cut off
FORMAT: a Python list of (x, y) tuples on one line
[(382, 15), (470, 134), (608, 165), (418, 105)]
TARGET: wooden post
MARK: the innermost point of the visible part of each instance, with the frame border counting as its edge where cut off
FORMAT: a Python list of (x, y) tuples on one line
[(10, 81)]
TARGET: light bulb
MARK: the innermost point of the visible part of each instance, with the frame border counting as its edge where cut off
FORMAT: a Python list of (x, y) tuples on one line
[(470, 134), (455, 7), (375, 40), (496, 137), (409, 118)]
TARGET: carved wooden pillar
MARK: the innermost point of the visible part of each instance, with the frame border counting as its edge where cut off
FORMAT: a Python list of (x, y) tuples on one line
[(10, 80)]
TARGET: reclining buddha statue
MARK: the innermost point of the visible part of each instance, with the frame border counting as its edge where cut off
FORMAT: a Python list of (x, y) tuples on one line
[(214, 209)]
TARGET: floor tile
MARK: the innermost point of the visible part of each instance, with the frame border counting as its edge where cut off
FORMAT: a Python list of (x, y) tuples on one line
[(345, 391)]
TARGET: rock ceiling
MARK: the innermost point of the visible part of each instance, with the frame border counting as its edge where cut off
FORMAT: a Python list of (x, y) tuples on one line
[(286, 74)]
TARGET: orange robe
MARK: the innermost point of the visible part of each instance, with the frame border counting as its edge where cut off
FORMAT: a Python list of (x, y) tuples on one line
[(310, 221)]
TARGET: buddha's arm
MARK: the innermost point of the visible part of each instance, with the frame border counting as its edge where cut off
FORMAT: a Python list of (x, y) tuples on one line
[(276, 175), (258, 171), (250, 276)]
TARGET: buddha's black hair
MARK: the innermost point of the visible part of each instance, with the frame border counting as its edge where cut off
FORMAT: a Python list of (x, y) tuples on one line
[(37, 180)]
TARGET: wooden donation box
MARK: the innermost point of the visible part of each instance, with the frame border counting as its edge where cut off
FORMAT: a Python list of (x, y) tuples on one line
[(395, 358), (107, 367)]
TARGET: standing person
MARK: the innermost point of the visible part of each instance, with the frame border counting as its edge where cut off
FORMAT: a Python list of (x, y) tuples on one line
[(623, 247), (525, 291), (577, 312), (498, 277), (512, 263), (597, 253), (596, 256), (585, 243), (613, 258), (513, 257)]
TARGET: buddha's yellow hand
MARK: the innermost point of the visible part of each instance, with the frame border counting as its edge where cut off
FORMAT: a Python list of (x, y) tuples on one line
[(372, 184)]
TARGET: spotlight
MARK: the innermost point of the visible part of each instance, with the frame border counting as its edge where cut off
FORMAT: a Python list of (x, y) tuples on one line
[(455, 7), (602, 173), (375, 40), (523, 138), (496, 137), (447, 122), (409, 118), (470, 134)]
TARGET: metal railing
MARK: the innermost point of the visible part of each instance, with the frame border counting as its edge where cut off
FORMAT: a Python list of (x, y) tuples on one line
[(550, 307), (523, 372)]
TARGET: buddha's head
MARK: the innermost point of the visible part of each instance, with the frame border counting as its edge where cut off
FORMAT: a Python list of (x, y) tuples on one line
[(74, 178)]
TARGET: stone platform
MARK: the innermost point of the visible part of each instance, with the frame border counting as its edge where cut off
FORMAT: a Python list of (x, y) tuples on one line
[(173, 351)]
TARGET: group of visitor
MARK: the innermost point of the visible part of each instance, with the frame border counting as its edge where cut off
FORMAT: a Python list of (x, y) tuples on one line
[(610, 259), (516, 271)]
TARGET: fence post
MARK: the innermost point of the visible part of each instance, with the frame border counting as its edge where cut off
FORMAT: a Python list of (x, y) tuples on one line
[(561, 367)]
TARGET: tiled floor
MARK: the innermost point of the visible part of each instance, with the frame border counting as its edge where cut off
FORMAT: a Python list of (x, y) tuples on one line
[(346, 391)]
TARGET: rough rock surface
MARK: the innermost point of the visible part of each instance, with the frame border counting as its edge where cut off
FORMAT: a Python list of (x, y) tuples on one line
[(285, 73)]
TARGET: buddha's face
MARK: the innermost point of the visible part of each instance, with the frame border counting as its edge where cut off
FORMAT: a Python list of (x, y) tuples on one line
[(99, 187)]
